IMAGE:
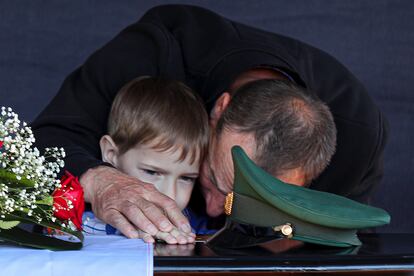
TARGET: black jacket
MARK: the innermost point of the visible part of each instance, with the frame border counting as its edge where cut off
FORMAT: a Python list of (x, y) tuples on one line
[(206, 51)]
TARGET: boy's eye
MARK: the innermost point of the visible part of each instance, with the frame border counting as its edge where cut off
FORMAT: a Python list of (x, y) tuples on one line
[(150, 172), (188, 179)]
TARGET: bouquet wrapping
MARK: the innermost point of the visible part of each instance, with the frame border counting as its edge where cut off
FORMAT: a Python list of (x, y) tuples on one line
[(36, 208)]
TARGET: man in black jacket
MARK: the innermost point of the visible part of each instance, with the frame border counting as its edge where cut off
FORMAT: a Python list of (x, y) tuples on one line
[(211, 54)]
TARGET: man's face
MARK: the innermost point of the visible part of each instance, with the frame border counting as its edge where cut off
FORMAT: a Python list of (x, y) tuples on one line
[(216, 175)]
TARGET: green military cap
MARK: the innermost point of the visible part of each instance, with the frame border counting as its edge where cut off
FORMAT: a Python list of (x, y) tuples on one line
[(262, 208)]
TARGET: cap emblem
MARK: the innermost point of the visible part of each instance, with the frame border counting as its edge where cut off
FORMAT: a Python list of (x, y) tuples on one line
[(228, 204)]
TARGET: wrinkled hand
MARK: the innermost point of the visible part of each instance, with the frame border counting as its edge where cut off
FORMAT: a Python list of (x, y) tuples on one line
[(129, 204)]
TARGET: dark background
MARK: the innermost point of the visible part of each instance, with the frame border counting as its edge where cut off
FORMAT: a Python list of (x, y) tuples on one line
[(43, 41)]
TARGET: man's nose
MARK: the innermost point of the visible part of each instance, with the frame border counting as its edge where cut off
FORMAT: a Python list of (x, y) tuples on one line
[(215, 204)]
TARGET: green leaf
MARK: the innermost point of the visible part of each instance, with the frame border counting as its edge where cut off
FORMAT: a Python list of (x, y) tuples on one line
[(45, 201), (26, 238), (12, 181), (8, 224), (24, 218)]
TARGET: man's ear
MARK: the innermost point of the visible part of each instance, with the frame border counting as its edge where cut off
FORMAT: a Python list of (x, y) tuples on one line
[(219, 106), (294, 176), (109, 150)]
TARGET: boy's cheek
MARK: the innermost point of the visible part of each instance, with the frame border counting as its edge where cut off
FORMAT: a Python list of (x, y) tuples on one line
[(183, 197)]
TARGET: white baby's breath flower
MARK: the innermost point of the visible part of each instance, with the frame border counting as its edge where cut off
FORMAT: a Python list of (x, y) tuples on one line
[(19, 157)]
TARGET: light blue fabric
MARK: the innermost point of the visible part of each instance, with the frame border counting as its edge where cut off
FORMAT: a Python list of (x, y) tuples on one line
[(94, 226)]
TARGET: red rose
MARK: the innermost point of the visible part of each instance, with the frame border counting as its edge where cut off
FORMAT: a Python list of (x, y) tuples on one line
[(68, 203)]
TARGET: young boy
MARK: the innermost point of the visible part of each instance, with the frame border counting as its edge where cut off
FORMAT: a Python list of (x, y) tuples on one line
[(158, 133)]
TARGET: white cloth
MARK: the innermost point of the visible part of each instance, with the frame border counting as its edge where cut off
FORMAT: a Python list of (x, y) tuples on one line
[(100, 256)]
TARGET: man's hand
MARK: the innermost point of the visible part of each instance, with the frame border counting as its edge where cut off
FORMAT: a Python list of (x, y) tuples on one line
[(131, 205)]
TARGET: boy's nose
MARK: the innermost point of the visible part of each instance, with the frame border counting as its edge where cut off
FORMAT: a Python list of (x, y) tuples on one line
[(169, 188)]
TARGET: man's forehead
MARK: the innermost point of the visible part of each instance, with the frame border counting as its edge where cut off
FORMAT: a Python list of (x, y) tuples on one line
[(214, 181), (221, 165)]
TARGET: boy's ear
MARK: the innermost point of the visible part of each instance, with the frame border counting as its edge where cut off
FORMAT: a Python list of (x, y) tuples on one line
[(219, 106), (109, 150)]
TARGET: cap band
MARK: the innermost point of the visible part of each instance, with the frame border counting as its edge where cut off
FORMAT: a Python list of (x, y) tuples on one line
[(267, 216)]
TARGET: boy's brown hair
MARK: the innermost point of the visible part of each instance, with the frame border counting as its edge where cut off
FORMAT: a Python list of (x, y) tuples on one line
[(161, 113)]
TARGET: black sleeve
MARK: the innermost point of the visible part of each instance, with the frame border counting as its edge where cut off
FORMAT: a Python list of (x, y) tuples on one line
[(357, 165), (77, 116)]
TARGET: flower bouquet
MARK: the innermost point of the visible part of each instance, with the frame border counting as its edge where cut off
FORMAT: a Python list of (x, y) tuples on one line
[(36, 209)]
